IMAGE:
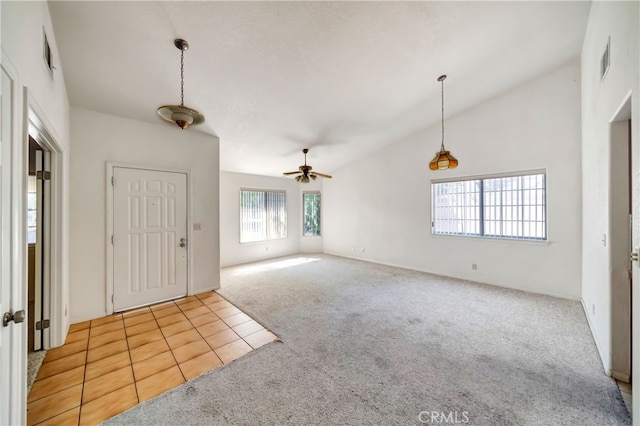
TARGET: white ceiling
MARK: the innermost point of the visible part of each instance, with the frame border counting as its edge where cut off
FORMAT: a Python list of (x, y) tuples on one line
[(342, 78)]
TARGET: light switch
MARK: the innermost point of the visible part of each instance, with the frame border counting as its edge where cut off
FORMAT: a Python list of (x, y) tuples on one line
[(197, 226)]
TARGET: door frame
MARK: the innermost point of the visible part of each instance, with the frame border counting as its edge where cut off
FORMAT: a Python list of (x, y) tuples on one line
[(111, 165), (55, 294), (620, 245)]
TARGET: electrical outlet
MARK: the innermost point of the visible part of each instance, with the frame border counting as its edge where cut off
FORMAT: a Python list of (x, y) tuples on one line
[(474, 266), (362, 249), (266, 248), (353, 249)]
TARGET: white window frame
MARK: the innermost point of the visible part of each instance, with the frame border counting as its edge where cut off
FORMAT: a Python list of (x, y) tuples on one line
[(267, 235), (319, 194), (482, 231)]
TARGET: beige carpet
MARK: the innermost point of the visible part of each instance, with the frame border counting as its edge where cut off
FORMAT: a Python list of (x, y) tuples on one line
[(369, 344)]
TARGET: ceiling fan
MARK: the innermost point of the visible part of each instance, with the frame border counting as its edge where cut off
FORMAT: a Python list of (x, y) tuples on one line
[(305, 171)]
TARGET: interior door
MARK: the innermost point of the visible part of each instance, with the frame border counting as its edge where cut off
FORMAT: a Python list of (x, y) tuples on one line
[(150, 236), (37, 307), (12, 335)]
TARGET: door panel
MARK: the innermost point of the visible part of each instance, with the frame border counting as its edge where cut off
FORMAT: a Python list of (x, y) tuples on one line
[(149, 221), (13, 336), (37, 311)]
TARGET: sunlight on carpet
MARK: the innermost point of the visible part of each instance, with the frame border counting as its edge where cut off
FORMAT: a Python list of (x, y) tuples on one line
[(271, 266)]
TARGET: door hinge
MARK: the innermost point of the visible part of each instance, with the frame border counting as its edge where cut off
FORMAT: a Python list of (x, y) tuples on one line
[(41, 325), (113, 181), (112, 240), (112, 299), (42, 175)]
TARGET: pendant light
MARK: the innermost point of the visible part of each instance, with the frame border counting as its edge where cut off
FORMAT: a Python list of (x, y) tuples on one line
[(443, 159), (181, 115)]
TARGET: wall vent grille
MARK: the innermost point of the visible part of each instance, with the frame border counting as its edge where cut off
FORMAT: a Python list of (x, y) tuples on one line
[(47, 55), (605, 62)]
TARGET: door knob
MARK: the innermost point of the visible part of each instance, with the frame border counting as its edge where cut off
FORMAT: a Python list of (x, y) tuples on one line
[(183, 242), (16, 317)]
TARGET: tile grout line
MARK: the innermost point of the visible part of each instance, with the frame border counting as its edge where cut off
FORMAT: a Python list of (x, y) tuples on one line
[(165, 341), (198, 331), (84, 375), (251, 319), (133, 374), (91, 328)]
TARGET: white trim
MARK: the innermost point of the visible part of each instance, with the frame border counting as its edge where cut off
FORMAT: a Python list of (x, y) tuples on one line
[(623, 377), (499, 240), (542, 171), (314, 191), (110, 166), (44, 134), (606, 368), (620, 114), (492, 175), (426, 271), (254, 189)]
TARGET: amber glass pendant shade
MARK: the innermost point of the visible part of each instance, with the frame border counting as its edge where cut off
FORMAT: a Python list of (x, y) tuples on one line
[(443, 160)]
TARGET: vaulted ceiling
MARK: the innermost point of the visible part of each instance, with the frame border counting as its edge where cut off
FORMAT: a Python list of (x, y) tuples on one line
[(342, 78)]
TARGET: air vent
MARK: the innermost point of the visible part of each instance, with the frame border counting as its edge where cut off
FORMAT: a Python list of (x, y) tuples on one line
[(605, 61), (46, 53)]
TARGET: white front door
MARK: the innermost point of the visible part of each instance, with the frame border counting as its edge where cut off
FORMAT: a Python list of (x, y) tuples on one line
[(13, 334), (150, 236)]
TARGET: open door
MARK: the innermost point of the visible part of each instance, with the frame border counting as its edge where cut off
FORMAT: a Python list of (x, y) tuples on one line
[(12, 295), (621, 220), (38, 242)]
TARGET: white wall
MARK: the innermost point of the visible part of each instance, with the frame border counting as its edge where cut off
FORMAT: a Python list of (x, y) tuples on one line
[(231, 251), (22, 25), (378, 208), (22, 40), (618, 21), (97, 138)]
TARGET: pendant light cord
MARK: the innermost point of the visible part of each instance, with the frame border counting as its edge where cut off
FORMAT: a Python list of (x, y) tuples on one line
[(182, 78), (442, 98)]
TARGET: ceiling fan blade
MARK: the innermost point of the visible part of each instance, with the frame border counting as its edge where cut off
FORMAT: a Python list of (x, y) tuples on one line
[(323, 175), (292, 173)]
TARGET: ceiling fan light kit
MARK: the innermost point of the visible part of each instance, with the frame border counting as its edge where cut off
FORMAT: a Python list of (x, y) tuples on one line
[(305, 175), (181, 115), (443, 159)]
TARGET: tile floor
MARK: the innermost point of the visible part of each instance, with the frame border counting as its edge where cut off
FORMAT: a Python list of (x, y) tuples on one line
[(110, 364)]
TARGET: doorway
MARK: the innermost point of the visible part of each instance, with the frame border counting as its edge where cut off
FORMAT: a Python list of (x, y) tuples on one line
[(149, 236), (620, 247), (38, 244)]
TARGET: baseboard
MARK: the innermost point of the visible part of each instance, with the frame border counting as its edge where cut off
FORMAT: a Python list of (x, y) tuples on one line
[(551, 294), (623, 377), (607, 368), (204, 290)]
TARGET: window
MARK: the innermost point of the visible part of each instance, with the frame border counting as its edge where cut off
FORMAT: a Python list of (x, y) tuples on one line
[(32, 200), (263, 215), (311, 214), (511, 206)]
